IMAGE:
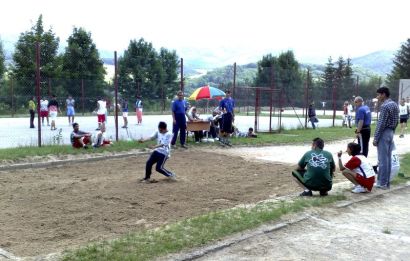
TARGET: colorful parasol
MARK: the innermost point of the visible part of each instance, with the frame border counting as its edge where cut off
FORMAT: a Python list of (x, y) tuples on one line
[(206, 92)]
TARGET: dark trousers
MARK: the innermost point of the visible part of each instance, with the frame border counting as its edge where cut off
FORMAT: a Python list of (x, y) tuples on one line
[(198, 135), (32, 113), (212, 132), (159, 159), (180, 126), (364, 141)]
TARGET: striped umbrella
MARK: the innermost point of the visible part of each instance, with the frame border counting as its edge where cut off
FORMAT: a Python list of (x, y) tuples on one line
[(206, 92)]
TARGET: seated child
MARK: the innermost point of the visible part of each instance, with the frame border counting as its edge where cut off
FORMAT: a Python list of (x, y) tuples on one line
[(101, 140)]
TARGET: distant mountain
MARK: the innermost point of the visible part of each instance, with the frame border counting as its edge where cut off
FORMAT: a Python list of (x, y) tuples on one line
[(380, 62)]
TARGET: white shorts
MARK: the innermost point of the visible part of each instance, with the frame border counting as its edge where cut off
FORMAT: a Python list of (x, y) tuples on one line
[(53, 115), (125, 114)]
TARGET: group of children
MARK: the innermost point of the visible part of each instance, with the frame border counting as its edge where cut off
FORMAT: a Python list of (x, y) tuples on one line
[(81, 139)]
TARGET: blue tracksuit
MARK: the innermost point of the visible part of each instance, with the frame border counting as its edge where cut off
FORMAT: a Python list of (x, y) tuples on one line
[(179, 108)]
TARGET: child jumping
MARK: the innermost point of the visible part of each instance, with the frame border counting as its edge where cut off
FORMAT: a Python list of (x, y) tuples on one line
[(160, 154)]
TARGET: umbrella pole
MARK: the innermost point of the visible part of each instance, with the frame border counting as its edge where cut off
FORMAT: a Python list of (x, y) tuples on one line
[(207, 105)]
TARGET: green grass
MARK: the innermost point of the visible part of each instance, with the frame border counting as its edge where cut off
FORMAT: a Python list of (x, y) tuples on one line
[(298, 136), (193, 232), (27, 152)]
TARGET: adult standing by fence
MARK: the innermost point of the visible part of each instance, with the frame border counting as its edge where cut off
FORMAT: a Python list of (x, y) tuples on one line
[(138, 109), (363, 121), (32, 111), (312, 114), (70, 109), (227, 106), (179, 110), (383, 136)]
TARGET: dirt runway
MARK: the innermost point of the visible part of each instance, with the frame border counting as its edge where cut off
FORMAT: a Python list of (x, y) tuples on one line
[(52, 209)]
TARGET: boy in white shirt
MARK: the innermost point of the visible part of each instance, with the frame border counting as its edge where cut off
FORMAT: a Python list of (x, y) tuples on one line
[(160, 154)]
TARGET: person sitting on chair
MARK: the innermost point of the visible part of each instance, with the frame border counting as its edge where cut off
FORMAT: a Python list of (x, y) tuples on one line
[(194, 116)]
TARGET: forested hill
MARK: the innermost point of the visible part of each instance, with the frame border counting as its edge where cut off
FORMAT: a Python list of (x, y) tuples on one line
[(374, 64)]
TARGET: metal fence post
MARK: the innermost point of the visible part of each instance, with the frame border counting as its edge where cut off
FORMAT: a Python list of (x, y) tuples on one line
[(38, 91), (116, 95)]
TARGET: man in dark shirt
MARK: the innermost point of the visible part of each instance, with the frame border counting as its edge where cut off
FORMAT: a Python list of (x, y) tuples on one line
[(179, 109), (226, 106), (363, 121), (383, 136)]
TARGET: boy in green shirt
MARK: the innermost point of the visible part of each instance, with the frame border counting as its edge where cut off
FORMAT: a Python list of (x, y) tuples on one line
[(32, 110), (315, 170)]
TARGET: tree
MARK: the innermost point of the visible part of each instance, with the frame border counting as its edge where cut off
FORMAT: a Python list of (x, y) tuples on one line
[(81, 61), (290, 79), (144, 72), (2, 60), (401, 67), (328, 79), (24, 57), (348, 80)]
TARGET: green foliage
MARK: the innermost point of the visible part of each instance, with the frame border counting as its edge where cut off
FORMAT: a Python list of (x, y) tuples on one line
[(81, 62), (145, 72), (2, 60), (401, 67), (24, 56)]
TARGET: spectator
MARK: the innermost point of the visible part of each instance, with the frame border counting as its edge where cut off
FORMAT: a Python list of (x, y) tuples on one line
[(80, 139), (179, 111), (53, 108), (70, 109), (32, 111), (124, 107), (347, 114), (357, 170), (194, 116), (363, 122), (315, 170), (404, 115), (138, 109), (44, 110), (101, 139), (226, 106), (383, 136), (312, 114), (101, 112)]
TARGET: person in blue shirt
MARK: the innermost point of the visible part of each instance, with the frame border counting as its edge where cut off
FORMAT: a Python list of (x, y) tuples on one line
[(363, 121), (179, 110), (226, 106)]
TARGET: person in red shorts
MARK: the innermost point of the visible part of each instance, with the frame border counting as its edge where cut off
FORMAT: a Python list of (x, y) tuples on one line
[(80, 139), (358, 170)]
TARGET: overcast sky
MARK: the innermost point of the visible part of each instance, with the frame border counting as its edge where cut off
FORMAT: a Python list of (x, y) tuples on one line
[(228, 31)]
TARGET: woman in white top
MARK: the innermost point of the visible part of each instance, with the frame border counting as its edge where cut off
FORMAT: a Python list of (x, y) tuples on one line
[(404, 115)]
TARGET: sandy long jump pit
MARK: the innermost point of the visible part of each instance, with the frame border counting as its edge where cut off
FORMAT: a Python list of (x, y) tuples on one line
[(51, 209)]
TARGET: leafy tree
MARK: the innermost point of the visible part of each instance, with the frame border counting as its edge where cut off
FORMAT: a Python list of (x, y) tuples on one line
[(81, 61), (348, 80), (169, 66), (328, 78), (290, 79), (2, 60), (24, 57), (143, 71)]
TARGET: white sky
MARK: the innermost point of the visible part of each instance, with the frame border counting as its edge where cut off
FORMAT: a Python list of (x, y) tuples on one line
[(237, 30)]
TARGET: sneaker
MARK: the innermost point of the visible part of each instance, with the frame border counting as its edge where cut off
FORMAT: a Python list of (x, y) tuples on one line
[(307, 193), (172, 177), (173, 147), (323, 193), (184, 146), (148, 180), (401, 136), (85, 147), (359, 189), (382, 187)]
